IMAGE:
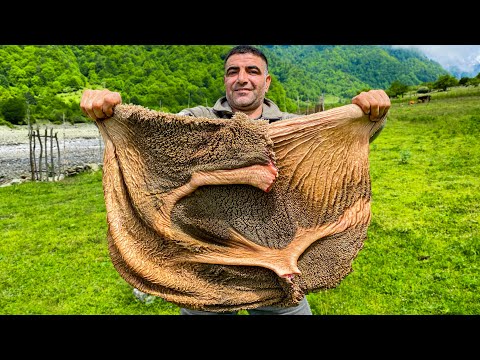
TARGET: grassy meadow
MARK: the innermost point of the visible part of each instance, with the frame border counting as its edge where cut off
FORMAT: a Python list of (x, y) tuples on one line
[(421, 256)]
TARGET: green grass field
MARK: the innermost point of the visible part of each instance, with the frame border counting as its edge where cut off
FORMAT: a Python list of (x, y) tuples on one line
[(421, 255)]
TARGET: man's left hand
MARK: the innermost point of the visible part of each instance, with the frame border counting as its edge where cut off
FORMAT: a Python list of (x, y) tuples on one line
[(375, 103)]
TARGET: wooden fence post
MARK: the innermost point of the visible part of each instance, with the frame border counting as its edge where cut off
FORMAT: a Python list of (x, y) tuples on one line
[(51, 171)]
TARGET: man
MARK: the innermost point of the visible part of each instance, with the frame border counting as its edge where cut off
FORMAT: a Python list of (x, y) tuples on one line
[(246, 81)]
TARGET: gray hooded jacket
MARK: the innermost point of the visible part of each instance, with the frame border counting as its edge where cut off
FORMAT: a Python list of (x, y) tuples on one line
[(222, 110)]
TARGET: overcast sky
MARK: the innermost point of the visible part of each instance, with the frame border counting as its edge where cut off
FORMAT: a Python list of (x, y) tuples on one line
[(462, 56)]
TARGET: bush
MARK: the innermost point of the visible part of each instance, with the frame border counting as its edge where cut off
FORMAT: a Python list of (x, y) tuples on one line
[(423, 90), (14, 110)]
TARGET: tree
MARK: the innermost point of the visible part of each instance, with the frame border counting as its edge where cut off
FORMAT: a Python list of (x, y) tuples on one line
[(444, 82), (463, 81), (474, 81), (14, 110), (397, 88)]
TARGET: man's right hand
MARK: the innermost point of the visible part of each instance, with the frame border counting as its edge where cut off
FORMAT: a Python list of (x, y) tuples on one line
[(99, 104)]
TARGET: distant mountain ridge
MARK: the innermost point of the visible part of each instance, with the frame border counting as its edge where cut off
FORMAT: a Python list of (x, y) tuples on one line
[(345, 69), (459, 73)]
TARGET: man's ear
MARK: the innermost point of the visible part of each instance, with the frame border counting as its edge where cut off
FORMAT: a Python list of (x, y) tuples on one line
[(268, 80)]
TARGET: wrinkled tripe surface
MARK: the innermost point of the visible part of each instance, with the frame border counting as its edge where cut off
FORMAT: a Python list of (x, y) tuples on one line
[(229, 214)]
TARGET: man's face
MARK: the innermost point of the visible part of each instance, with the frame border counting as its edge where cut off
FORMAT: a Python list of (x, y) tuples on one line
[(246, 82)]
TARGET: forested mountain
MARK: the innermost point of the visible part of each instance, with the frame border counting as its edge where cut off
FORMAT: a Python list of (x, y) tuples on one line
[(343, 71), (46, 81)]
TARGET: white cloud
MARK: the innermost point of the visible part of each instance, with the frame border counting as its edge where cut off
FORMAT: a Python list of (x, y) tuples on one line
[(462, 57)]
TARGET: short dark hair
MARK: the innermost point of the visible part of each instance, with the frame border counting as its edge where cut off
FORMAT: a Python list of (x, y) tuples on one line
[(246, 49)]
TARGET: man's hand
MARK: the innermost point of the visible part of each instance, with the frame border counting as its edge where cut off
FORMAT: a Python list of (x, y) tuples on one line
[(99, 104), (375, 103)]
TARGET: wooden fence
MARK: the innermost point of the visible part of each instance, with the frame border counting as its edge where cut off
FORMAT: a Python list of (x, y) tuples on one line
[(44, 155)]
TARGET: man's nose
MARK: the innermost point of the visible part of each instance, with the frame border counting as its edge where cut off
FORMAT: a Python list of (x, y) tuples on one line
[(242, 76)]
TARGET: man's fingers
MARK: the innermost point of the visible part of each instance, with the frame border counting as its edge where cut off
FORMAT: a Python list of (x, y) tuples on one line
[(375, 103), (99, 104), (380, 105), (110, 99)]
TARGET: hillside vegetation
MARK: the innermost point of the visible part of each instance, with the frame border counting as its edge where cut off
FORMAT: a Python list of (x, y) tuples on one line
[(45, 82)]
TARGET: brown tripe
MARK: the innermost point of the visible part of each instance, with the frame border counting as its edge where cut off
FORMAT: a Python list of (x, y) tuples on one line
[(229, 214)]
